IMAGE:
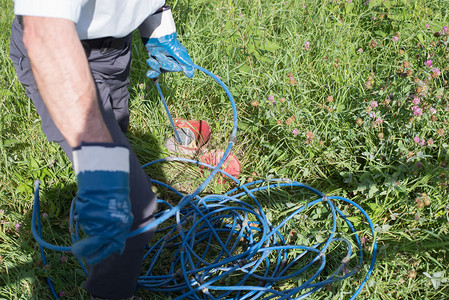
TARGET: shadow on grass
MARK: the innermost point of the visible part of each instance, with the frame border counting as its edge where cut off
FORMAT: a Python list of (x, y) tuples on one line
[(64, 270), (420, 259), (24, 273), (30, 279)]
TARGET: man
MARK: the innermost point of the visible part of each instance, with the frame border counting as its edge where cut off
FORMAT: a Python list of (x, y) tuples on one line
[(73, 58)]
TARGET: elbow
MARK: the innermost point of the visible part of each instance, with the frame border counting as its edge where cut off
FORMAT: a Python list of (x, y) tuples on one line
[(33, 34)]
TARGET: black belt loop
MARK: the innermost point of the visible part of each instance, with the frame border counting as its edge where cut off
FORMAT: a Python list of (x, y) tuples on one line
[(106, 46)]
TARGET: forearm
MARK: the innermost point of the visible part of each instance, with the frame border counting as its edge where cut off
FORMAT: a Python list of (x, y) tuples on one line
[(64, 80)]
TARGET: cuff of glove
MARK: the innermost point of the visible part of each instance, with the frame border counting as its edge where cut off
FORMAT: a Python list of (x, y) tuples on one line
[(100, 157), (158, 24)]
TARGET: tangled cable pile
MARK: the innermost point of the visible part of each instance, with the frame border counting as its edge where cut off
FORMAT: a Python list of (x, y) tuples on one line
[(225, 246), (222, 247)]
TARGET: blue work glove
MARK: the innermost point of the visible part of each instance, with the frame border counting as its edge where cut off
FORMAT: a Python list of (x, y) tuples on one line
[(167, 54), (102, 206)]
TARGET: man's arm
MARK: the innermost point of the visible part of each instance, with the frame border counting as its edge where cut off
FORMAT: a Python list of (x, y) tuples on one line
[(65, 82), (63, 77)]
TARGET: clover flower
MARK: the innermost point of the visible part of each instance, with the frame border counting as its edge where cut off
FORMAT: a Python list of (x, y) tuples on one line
[(290, 120), (419, 141), (310, 137), (307, 46), (436, 72), (363, 240), (444, 30), (428, 63), (432, 110), (291, 79), (417, 111), (295, 132)]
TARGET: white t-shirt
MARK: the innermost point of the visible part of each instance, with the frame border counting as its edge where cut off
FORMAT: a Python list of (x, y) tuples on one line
[(93, 18)]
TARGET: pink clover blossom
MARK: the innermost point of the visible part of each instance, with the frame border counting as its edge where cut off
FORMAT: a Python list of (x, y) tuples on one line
[(295, 132), (307, 46)]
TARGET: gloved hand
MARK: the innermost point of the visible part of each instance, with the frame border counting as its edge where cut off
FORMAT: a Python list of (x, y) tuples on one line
[(102, 206), (158, 33)]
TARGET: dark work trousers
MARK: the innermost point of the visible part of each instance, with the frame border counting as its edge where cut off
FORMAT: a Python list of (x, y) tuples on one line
[(116, 276)]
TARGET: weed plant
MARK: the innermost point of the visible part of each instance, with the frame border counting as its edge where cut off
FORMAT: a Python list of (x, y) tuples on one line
[(347, 96)]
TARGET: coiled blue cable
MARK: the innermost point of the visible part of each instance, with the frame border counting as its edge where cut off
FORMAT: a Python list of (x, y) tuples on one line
[(219, 206), (218, 238)]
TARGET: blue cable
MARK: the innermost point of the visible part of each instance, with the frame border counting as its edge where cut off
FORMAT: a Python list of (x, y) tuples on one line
[(215, 238), (156, 82), (36, 221)]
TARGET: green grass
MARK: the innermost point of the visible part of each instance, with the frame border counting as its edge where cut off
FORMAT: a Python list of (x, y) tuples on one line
[(341, 121)]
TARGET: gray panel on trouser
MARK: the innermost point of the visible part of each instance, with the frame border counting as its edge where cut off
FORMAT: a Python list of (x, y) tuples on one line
[(19, 57), (116, 276), (112, 69)]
